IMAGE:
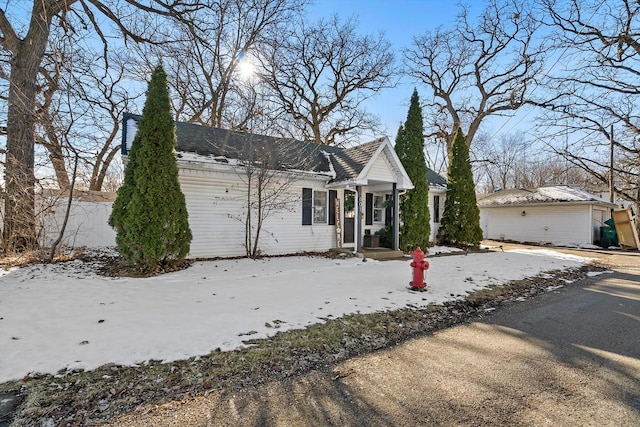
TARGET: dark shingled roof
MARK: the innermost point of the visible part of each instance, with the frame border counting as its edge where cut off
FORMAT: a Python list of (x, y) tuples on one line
[(435, 179), (349, 162), (283, 153)]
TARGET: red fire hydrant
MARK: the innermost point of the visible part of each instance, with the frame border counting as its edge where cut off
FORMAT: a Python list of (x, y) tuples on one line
[(419, 265)]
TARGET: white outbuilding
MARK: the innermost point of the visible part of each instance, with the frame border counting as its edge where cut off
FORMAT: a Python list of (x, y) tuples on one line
[(559, 215)]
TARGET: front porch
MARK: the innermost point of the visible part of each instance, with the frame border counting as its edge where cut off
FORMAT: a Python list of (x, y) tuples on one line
[(379, 253), (383, 254), (364, 198)]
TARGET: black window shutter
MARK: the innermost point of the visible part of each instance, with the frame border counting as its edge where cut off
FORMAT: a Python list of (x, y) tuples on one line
[(332, 206), (388, 211), (307, 205), (368, 215)]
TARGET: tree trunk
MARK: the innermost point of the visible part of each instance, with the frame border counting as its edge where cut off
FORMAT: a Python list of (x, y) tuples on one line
[(100, 169), (58, 162), (55, 244), (19, 231)]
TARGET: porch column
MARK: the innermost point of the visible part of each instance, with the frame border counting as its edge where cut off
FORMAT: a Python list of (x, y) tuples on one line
[(357, 223), (395, 224)]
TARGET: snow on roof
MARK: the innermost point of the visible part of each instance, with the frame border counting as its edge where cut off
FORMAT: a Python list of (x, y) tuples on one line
[(206, 159), (332, 170), (209, 159), (541, 195)]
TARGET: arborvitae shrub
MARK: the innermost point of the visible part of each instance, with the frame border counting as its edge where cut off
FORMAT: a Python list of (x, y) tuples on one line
[(150, 214), (460, 223), (415, 228)]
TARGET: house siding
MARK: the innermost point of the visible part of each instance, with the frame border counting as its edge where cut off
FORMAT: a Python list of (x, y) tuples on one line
[(381, 170), (554, 224), (216, 202)]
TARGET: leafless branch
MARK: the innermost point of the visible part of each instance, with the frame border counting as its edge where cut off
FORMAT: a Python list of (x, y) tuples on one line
[(477, 70)]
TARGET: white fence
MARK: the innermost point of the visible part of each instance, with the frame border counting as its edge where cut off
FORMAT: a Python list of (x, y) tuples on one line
[(87, 224)]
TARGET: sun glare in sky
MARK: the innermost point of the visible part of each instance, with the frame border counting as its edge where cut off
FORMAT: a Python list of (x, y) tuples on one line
[(246, 68)]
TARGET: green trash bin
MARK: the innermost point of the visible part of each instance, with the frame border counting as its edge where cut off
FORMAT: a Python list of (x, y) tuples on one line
[(608, 236)]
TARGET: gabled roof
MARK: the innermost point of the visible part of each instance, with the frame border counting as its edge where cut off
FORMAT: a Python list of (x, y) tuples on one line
[(350, 162), (557, 194), (353, 165), (214, 145)]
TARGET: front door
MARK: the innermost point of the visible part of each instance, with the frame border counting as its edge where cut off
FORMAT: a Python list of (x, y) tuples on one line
[(349, 216)]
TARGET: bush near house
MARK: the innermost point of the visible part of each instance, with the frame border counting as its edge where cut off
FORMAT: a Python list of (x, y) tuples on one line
[(460, 224), (415, 227), (150, 214)]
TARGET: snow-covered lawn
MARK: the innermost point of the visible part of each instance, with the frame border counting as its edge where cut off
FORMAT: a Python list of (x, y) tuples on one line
[(66, 316)]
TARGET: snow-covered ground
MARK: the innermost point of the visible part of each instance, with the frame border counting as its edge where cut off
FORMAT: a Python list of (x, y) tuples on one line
[(66, 316)]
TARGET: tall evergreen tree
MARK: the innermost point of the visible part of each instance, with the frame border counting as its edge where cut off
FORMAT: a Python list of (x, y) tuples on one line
[(415, 228), (460, 224), (150, 214)]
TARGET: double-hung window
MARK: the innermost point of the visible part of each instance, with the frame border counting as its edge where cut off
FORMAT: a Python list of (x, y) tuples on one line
[(315, 207), (378, 208), (319, 207)]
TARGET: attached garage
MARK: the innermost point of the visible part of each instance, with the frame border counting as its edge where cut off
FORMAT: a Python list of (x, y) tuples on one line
[(559, 215)]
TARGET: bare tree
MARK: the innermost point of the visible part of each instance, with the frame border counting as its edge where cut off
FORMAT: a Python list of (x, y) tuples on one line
[(51, 106), (102, 97), (268, 191), (436, 155), (63, 228), (477, 70), (204, 62), (78, 81), (268, 168), (26, 49), (321, 74), (513, 161), (501, 162), (595, 96)]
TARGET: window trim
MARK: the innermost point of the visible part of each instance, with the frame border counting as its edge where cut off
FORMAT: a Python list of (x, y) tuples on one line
[(333, 195), (309, 206), (325, 207), (380, 209)]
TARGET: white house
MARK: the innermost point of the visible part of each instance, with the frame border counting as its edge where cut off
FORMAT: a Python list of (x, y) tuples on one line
[(556, 214), (437, 196), (363, 181)]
